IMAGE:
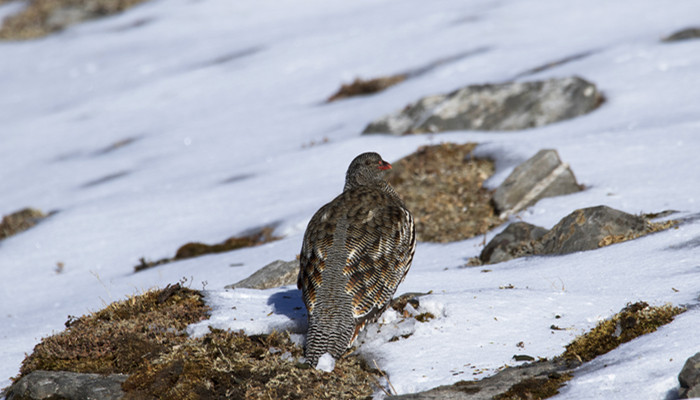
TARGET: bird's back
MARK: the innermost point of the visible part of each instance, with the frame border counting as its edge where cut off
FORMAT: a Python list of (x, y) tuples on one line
[(356, 251)]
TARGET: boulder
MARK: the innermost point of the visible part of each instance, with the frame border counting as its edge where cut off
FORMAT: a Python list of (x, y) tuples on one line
[(515, 241), (543, 175), (590, 228), (46, 385), (277, 273), (689, 378), (506, 106)]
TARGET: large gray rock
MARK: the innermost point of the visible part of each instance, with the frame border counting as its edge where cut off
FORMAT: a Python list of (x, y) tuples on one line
[(489, 388), (515, 241), (689, 378), (506, 106), (588, 229), (55, 385), (543, 175), (277, 273)]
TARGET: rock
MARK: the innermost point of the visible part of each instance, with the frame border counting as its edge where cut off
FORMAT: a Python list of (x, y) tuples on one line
[(535, 374), (689, 378), (543, 175), (277, 273), (515, 241), (590, 228), (506, 106), (20, 221), (40, 385), (685, 34)]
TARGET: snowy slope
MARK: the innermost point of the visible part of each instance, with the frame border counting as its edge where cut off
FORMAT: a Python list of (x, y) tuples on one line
[(220, 103)]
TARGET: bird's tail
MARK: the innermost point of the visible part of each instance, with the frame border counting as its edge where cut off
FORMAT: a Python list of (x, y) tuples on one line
[(329, 332)]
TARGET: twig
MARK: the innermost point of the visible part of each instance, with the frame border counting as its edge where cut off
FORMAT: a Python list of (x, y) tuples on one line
[(393, 389)]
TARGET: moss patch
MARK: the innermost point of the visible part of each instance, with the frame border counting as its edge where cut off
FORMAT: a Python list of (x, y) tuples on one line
[(42, 17), (536, 388), (195, 249), (634, 320), (122, 337), (650, 227), (361, 87), (19, 221), (442, 185)]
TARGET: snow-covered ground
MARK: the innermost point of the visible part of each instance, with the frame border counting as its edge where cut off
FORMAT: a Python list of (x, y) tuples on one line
[(221, 106)]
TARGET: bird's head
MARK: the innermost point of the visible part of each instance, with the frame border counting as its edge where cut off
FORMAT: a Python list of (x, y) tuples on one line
[(367, 169)]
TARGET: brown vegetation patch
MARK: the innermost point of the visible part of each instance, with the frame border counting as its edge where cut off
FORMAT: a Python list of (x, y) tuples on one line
[(226, 364), (121, 338), (42, 17), (536, 388), (196, 249), (144, 337), (19, 221), (442, 185), (632, 321), (650, 227), (361, 87)]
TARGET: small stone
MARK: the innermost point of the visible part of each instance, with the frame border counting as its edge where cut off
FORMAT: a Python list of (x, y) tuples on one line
[(46, 385), (543, 175), (689, 378), (515, 241), (277, 273), (587, 228)]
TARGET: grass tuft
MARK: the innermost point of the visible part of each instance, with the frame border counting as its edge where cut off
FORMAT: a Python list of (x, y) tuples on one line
[(632, 321)]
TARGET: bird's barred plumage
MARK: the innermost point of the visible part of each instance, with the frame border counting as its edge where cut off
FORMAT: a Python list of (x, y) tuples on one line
[(356, 251)]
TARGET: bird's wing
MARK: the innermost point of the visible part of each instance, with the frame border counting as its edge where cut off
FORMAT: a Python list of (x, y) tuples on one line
[(318, 240), (380, 243)]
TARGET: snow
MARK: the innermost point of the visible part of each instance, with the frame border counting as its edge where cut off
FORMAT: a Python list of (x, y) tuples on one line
[(222, 103), (326, 363)]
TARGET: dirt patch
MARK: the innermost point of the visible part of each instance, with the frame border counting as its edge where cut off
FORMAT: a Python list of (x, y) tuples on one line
[(442, 185), (632, 321), (196, 249), (20, 221), (121, 338), (360, 87), (42, 17)]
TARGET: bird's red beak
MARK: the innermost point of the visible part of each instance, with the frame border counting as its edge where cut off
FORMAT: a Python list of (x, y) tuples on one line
[(383, 165)]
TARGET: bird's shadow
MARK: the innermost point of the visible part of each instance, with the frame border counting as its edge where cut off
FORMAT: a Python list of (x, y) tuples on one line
[(290, 304)]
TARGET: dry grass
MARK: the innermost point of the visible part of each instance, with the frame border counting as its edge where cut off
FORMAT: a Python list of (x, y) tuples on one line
[(442, 185), (196, 249), (632, 321), (361, 87), (122, 337), (42, 17), (536, 388), (227, 364), (19, 221), (144, 337)]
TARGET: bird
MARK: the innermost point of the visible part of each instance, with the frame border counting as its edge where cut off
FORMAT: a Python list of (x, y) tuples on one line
[(356, 251)]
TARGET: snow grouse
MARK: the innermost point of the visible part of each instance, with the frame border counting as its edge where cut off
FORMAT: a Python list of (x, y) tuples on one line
[(356, 251)]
